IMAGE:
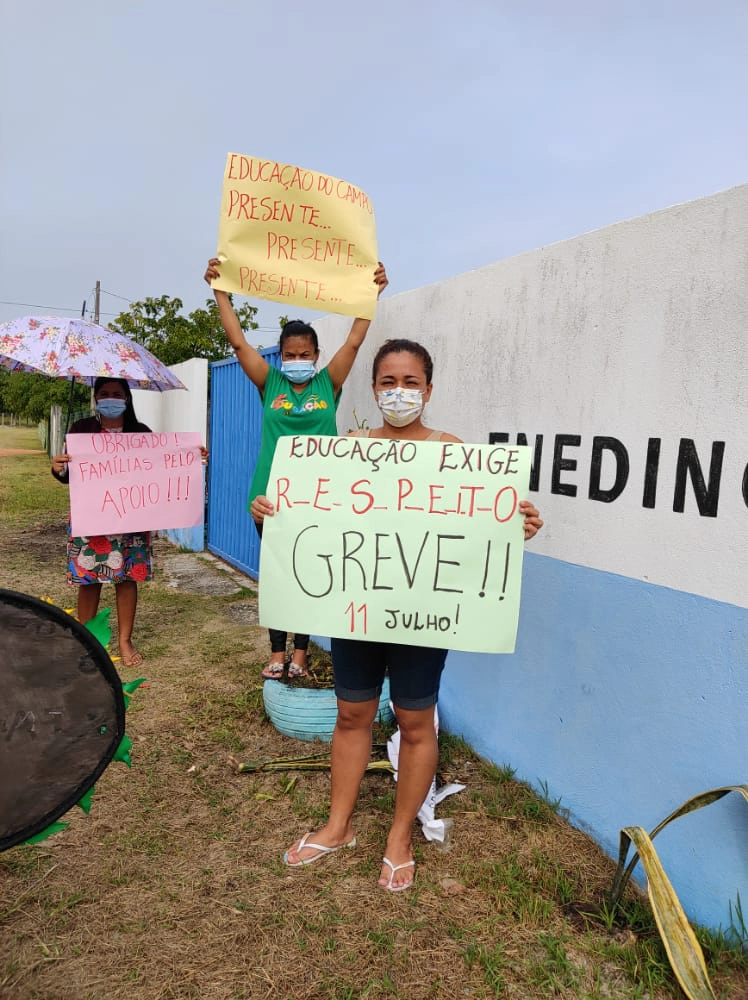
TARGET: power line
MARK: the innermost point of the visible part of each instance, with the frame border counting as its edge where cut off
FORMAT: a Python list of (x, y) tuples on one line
[(38, 305), (114, 295), (70, 309)]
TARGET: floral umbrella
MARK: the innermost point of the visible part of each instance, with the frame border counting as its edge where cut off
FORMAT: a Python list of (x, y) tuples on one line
[(81, 351)]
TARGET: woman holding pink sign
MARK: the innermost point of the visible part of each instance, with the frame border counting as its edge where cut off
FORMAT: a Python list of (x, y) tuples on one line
[(124, 560), (298, 399)]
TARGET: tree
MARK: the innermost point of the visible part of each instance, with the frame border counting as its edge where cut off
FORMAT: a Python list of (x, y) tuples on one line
[(30, 396), (160, 326)]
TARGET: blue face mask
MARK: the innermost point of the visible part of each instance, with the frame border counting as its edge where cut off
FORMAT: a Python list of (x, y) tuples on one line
[(111, 408), (298, 371)]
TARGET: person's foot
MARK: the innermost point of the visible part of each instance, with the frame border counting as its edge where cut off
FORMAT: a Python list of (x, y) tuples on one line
[(297, 666), (398, 870), (313, 846), (130, 656), (275, 667)]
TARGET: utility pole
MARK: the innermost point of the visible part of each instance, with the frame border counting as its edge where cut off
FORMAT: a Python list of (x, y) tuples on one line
[(97, 311)]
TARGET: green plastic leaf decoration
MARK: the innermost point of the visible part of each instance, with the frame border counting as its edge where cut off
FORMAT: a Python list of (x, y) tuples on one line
[(123, 751), (47, 832), (130, 687), (84, 802), (100, 628)]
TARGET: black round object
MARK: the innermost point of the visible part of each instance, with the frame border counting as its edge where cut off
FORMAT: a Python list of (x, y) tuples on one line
[(62, 714)]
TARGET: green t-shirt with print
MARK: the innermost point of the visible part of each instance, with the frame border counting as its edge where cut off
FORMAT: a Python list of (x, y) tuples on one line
[(285, 411)]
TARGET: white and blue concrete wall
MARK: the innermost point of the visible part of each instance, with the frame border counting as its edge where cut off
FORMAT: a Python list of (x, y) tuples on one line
[(184, 410), (620, 357)]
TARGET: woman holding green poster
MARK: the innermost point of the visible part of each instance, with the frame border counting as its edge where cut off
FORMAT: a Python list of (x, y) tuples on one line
[(298, 399), (401, 377)]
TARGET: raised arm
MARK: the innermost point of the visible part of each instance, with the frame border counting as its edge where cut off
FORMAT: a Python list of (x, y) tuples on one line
[(253, 363), (342, 362)]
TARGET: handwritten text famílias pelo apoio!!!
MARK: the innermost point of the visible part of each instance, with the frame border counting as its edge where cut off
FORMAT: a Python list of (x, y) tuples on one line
[(140, 481)]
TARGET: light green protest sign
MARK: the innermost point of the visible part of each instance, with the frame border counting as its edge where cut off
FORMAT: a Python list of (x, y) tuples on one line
[(416, 542)]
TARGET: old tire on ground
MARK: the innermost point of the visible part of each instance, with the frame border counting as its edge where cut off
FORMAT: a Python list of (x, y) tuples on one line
[(309, 713)]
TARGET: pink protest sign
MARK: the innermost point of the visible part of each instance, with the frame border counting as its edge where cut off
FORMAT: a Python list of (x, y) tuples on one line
[(134, 482)]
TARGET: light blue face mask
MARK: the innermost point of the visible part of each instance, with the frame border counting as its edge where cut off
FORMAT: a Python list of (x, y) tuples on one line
[(298, 371), (111, 408)]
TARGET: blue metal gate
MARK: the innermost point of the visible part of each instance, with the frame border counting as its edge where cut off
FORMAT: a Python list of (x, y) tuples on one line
[(234, 443)]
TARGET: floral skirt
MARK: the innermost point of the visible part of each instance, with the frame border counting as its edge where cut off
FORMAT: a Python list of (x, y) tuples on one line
[(110, 558)]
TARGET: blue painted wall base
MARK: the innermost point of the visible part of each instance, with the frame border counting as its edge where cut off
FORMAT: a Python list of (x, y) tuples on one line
[(623, 699), (187, 538)]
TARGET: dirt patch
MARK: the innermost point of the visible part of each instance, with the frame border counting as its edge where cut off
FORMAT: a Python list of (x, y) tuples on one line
[(191, 574), (40, 545), (243, 612)]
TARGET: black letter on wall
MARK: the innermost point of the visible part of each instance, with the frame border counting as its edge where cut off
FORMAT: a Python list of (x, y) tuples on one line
[(649, 496), (600, 444), (561, 464), (707, 497)]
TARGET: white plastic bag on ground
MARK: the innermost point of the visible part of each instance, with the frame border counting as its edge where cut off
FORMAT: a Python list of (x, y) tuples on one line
[(436, 830)]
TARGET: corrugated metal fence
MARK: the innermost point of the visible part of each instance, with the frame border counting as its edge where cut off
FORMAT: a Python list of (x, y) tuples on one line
[(234, 444)]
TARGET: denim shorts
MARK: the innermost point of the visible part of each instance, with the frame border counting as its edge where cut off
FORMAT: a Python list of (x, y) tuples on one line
[(359, 667)]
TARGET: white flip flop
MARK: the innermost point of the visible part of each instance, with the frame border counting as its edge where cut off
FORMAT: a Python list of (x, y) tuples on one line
[(322, 851), (396, 868)]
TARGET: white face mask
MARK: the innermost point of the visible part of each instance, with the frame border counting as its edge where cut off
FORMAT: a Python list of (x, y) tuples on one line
[(400, 407)]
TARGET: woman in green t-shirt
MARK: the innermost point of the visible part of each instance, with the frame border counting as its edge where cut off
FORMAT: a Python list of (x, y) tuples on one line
[(296, 400)]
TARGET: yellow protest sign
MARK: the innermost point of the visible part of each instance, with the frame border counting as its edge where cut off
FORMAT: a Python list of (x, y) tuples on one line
[(415, 542), (296, 236)]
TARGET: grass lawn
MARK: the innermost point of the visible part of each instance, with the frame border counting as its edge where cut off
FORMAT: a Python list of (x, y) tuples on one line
[(174, 887)]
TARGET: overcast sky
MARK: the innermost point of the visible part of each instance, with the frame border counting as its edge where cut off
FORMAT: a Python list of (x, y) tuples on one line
[(479, 130)]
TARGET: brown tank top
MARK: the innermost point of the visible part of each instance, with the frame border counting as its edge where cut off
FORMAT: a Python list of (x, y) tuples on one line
[(366, 433)]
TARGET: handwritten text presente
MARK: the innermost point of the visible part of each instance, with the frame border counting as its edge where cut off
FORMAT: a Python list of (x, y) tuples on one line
[(296, 236), (134, 482), (395, 541)]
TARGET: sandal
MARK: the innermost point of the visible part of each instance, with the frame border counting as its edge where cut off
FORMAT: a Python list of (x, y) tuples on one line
[(393, 869), (273, 671), (296, 670), (322, 851)]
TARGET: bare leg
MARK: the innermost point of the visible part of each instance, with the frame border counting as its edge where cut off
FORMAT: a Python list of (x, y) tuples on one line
[(127, 602), (351, 750), (88, 601), (417, 762)]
